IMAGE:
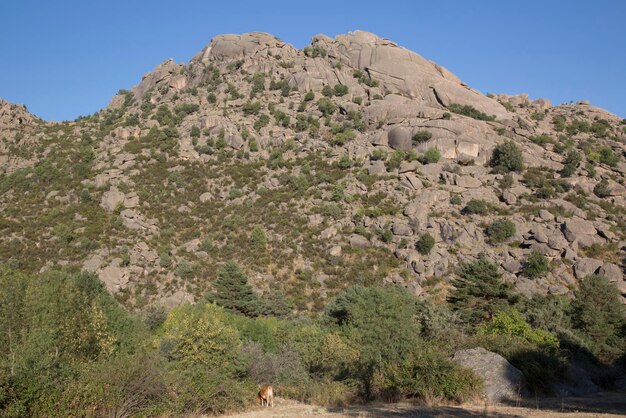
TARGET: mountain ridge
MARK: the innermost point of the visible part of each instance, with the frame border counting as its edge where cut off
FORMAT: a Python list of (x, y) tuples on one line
[(344, 154)]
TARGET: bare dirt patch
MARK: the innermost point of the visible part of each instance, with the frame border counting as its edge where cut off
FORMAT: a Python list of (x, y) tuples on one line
[(611, 404)]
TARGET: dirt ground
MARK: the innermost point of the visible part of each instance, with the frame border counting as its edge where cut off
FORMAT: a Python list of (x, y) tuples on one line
[(602, 405)]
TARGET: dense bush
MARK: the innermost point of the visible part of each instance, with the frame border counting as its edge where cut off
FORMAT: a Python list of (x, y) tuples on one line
[(476, 207), (340, 90), (326, 106), (511, 323), (536, 265), (608, 156), (602, 189), (425, 244), (507, 157), (421, 136), (572, 160), (431, 156), (500, 230)]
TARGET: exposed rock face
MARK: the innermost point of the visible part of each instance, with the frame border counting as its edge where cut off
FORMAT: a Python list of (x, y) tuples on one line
[(501, 380), (13, 116), (404, 71), (227, 48)]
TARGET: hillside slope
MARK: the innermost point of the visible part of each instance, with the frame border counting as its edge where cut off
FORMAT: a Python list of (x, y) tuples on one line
[(313, 169)]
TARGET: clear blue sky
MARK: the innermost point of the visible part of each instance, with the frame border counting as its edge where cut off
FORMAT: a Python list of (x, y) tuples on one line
[(67, 58)]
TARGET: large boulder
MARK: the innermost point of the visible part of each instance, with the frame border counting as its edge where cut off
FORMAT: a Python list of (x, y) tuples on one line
[(576, 228), (400, 139), (501, 380), (111, 199), (586, 266), (227, 48), (404, 72)]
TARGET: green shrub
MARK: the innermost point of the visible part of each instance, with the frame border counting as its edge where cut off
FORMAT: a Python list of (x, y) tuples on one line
[(326, 106), (507, 157), (425, 244), (602, 189), (542, 139), (608, 156), (538, 116), (261, 122), (344, 162), (506, 181), (340, 90), (327, 91), (511, 323), (536, 265), (500, 230), (431, 156), (572, 160), (251, 108), (395, 160), (309, 96), (476, 207), (258, 238), (472, 112), (427, 374), (559, 122), (421, 136), (165, 260)]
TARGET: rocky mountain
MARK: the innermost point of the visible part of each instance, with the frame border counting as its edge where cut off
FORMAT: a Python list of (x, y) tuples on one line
[(353, 160)]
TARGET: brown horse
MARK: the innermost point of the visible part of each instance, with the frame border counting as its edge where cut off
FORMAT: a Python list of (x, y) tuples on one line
[(266, 396)]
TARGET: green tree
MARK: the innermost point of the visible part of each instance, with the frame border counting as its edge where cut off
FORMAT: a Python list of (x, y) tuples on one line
[(381, 321), (500, 230), (199, 334), (598, 314), (536, 265), (233, 292), (479, 291), (507, 157)]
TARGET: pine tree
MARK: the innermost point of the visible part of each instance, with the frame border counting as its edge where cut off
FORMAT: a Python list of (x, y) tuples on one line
[(276, 304), (233, 292), (598, 314), (479, 291)]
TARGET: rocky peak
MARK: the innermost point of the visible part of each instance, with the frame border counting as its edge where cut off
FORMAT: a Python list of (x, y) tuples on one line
[(404, 72), (228, 48), (14, 116)]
